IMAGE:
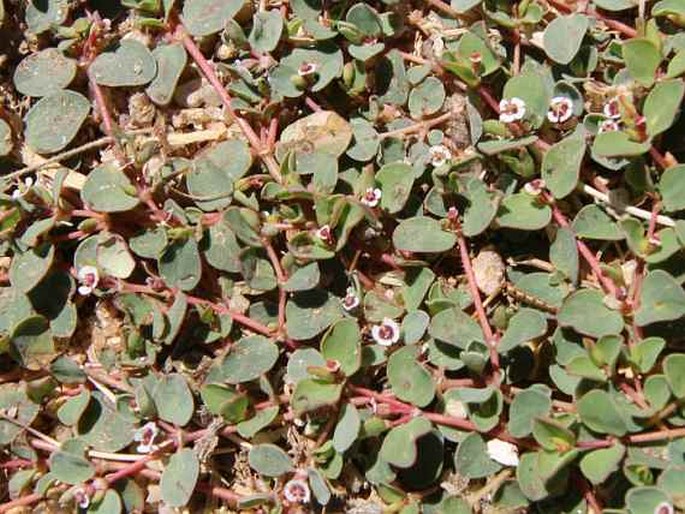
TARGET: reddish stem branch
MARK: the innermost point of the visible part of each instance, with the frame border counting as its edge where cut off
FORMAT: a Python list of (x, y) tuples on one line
[(248, 131), (587, 254)]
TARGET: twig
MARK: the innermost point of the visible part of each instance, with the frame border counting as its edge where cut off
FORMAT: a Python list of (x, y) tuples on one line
[(98, 143), (417, 127), (490, 487), (107, 121), (634, 211)]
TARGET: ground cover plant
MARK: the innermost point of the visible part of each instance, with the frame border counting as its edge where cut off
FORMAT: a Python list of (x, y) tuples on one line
[(335, 256)]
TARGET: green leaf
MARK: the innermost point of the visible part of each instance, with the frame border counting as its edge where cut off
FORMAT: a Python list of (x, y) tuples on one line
[(672, 188), (592, 222), (171, 60), (642, 59), (471, 458), (13, 399), (365, 142), (422, 235), (598, 465), (342, 343), (5, 139), (482, 208), (180, 265), (31, 343), (563, 253), (461, 6), (206, 17), (70, 412), (534, 91), (44, 73), (269, 460), (224, 401), (400, 444), (661, 299), (69, 464), (248, 359), (663, 105), (645, 500), (41, 16), (645, 353), (130, 64), (553, 435), (527, 405), (259, 421), (266, 30), (30, 267), (585, 312), (563, 36), (561, 165), (311, 312), (303, 279), (347, 429), (524, 326), (599, 412), (523, 212), (426, 98), (674, 369), (110, 504), (113, 257), (179, 478), (454, 327), (396, 180), (617, 144), (108, 189), (312, 394), (53, 122), (409, 380), (173, 399)]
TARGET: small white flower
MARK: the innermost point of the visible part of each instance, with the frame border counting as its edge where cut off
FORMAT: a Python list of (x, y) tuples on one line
[(351, 300), (612, 109), (82, 498), (560, 109), (387, 333), (440, 155), (512, 109), (146, 436), (503, 452), (325, 234), (297, 491), (608, 126), (307, 68), (89, 277), (664, 508), (371, 197), (21, 190), (534, 187)]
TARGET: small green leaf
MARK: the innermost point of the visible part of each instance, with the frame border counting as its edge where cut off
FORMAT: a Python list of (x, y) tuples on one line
[(598, 411), (400, 444), (528, 404), (592, 222), (523, 212), (662, 106), (661, 299), (598, 465), (561, 165), (563, 37), (44, 73), (347, 429), (53, 122), (642, 59), (248, 359), (269, 460), (266, 30), (108, 189), (563, 253), (206, 17), (179, 478), (409, 380), (617, 144), (180, 265), (586, 313), (553, 435), (69, 464), (130, 64), (396, 180), (422, 234), (173, 399), (311, 312), (456, 328), (426, 98), (672, 188), (471, 458), (674, 369), (171, 60), (312, 394), (342, 343)]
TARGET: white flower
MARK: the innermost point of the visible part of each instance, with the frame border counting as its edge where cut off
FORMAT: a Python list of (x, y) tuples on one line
[(439, 154), (21, 191), (612, 109), (534, 187), (608, 126), (89, 277), (560, 109), (664, 508), (351, 300), (82, 498), (146, 436), (371, 197), (512, 109), (387, 333), (324, 233), (503, 452), (307, 68), (296, 491)]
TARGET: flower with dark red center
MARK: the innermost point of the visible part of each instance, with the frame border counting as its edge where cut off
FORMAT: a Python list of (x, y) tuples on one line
[(307, 68), (89, 277), (351, 300), (512, 109), (371, 197), (609, 126), (560, 109), (612, 109), (146, 436), (387, 333), (325, 234), (297, 491)]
